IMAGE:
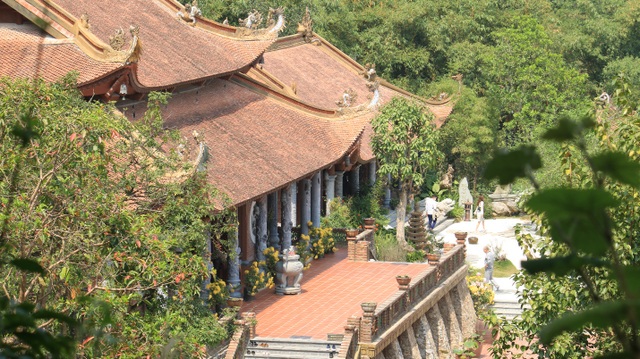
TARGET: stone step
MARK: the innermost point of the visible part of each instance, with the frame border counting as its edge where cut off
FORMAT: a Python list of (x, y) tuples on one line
[(293, 348)]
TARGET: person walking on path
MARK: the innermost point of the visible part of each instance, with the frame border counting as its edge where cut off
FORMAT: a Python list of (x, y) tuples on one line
[(430, 207), (489, 260), (480, 213)]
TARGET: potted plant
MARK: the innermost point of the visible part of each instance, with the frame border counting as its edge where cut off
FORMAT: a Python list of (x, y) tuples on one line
[(469, 348), (368, 306), (473, 240)]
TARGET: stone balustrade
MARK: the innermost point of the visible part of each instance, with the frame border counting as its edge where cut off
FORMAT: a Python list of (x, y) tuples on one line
[(427, 320)]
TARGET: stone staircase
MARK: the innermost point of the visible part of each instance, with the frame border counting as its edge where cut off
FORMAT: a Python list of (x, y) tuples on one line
[(506, 301), (292, 348)]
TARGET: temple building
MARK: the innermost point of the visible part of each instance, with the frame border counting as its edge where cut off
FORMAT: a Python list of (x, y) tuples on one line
[(280, 124)]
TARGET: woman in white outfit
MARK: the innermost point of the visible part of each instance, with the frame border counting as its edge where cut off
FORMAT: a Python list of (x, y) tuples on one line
[(480, 213)]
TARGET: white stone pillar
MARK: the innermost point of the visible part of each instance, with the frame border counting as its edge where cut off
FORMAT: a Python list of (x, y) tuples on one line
[(286, 217), (316, 203), (387, 192), (354, 179), (234, 267), (339, 183), (272, 219), (305, 215), (329, 185), (261, 244), (372, 173), (294, 204)]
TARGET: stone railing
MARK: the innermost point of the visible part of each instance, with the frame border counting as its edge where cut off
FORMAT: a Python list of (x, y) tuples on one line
[(433, 291), (395, 307)]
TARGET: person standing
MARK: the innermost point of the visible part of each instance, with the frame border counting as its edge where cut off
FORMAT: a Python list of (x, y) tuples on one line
[(480, 213), (430, 205), (489, 260)]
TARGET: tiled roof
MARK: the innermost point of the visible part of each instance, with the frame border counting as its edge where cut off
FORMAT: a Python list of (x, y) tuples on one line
[(172, 51), (321, 74), (257, 143), (27, 52)]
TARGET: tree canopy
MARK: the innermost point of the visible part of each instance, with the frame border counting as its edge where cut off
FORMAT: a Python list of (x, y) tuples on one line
[(117, 224)]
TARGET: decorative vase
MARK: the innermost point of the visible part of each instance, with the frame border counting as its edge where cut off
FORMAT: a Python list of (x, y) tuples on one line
[(473, 240), (289, 273), (369, 221), (352, 233), (368, 306), (461, 235), (403, 280)]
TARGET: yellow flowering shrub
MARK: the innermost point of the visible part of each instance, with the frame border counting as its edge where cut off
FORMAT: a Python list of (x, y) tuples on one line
[(271, 259), (256, 279), (217, 289), (322, 241), (302, 249), (481, 292)]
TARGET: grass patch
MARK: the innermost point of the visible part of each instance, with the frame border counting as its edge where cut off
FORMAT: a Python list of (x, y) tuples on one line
[(505, 268)]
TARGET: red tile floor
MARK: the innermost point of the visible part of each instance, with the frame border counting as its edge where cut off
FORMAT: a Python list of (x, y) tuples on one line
[(332, 290)]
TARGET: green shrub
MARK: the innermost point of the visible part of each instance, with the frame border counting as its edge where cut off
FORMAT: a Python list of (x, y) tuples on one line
[(388, 249), (457, 213)]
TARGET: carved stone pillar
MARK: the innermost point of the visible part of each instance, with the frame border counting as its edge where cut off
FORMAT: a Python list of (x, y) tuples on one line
[(372, 172), (329, 185), (286, 204), (316, 203), (339, 182), (262, 228), (294, 204), (305, 215), (387, 192), (272, 219), (354, 179), (234, 268)]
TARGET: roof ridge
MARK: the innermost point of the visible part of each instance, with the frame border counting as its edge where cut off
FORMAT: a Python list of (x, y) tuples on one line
[(191, 14)]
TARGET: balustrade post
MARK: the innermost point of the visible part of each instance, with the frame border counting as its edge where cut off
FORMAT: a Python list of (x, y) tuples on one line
[(368, 323), (351, 244)]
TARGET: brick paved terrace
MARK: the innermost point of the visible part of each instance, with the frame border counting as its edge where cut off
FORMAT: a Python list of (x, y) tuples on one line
[(332, 290)]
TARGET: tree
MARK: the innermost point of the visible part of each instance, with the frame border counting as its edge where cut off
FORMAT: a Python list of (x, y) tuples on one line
[(118, 225), (581, 277), (469, 133), (404, 141)]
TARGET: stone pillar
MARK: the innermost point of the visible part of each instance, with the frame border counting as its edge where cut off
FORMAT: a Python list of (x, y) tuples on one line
[(330, 186), (262, 228), (409, 344), (387, 193), (439, 332), (465, 312), (351, 244), (372, 172), (426, 344), (294, 204), (286, 217), (450, 321), (272, 218), (339, 183), (233, 281), (316, 204), (394, 350), (305, 215), (354, 179), (368, 323)]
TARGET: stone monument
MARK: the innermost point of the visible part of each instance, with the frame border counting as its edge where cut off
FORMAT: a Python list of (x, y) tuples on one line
[(463, 193)]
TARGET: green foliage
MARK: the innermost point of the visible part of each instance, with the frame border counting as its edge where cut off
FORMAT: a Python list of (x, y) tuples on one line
[(387, 248), (457, 213), (416, 256), (405, 144), (351, 212), (583, 285), (110, 218)]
